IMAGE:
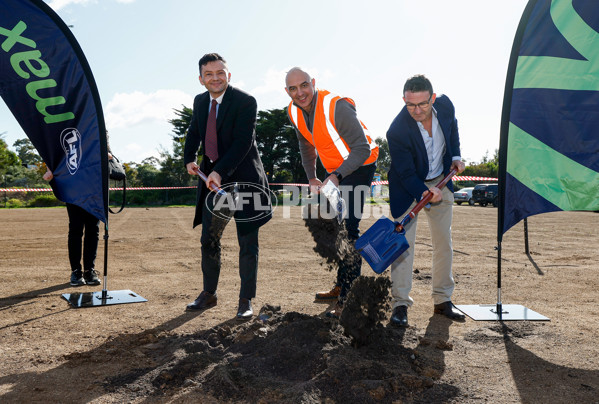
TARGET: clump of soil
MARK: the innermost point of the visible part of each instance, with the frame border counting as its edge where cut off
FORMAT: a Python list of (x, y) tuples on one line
[(287, 358), (331, 241), (365, 308), (330, 236)]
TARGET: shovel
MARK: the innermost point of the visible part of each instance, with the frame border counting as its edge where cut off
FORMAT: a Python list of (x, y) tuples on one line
[(212, 186), (230, 200), (385, 240)]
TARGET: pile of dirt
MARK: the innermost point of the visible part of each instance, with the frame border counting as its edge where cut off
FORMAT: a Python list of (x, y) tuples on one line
[(286, 357)]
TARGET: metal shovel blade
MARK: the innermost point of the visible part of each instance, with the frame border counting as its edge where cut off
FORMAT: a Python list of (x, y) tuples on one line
[(381, 244), (385, 241)]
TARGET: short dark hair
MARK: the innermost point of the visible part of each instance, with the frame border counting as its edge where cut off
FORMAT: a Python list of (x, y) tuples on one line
[(418, 83), (210, 57)]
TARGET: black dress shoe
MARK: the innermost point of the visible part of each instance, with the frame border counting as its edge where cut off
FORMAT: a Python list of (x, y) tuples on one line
[(245, 309), (446, 309), (400, 316), (204, 301)]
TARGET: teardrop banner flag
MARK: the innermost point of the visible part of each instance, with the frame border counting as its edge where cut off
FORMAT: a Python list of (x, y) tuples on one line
[(549, 137), (549, 146), (48, 85)]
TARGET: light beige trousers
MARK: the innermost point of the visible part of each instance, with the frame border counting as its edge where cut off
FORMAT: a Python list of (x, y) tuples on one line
[(439, 220)]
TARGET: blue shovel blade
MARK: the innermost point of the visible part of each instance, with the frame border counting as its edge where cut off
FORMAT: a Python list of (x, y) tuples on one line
[(380, 245)]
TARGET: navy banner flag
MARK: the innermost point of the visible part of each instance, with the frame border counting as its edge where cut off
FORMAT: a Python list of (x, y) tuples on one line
[(46, 82), (549, 147)]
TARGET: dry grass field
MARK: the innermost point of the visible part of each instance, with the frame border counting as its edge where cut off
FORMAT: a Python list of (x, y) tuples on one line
[(155, 352)]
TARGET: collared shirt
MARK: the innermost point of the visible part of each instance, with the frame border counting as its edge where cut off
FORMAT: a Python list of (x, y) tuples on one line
[(435, 147), (218, 101)]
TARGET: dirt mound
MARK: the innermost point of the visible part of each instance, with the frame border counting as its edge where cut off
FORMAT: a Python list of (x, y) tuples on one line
[(285, 357)]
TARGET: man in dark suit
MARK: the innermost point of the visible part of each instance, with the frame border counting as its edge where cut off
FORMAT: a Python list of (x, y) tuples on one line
[(424, 146), (223, 123)]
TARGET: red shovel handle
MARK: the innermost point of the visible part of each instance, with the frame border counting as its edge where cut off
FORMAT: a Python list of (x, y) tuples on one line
[(400, 226), (213, 186)]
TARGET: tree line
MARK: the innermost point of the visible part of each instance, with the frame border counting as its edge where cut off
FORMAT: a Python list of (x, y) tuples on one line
[(277, 144)]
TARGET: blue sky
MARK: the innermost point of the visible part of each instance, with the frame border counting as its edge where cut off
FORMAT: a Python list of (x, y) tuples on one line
[(144, 56)]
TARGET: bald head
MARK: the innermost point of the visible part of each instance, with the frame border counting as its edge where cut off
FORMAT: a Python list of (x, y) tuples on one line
[(300, 88), (296, 73)]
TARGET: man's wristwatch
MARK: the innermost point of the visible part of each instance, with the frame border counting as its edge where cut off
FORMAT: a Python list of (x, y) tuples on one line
[(338, 175)]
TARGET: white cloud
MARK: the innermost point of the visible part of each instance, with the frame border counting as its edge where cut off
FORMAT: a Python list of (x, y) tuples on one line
[(126, 110), (273, 82)]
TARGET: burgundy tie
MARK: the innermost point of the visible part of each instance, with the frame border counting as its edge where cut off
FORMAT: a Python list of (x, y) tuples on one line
[(211, 142)]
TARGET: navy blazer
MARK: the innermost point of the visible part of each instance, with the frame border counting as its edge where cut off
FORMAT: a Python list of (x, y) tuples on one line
[(238, 160), (409, 161)]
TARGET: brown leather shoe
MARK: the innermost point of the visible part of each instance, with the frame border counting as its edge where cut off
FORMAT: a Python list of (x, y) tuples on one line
[(204, 301), (245, 309), (446, 309), (330, 295)]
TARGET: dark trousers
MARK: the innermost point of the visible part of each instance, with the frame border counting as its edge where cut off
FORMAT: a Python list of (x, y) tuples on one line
[(213, 226), (81, 221), (351, 267)]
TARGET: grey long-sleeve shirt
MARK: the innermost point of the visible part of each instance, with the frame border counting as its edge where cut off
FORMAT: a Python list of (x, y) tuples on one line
[(349, 129)]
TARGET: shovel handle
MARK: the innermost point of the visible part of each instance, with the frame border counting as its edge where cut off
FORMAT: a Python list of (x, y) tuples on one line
[(212, 186), (399, 227)]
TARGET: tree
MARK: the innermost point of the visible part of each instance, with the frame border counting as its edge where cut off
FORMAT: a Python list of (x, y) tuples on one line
[(8, 159), (172, 169), (147, 174), (277, 145), (384, 161), (27, 152), (19, 176), (270, 137), (486, 168)]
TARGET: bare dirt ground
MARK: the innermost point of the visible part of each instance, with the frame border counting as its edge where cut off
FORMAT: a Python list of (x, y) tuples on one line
[(155, 352)]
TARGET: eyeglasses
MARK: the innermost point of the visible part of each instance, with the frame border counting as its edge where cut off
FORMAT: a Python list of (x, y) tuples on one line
[(422, 105)]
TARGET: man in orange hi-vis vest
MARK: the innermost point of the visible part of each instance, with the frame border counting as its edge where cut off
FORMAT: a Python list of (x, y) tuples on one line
[(327, 127)]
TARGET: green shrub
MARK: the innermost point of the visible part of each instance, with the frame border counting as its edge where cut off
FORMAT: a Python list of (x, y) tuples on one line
[(14, 203), (44, 201)]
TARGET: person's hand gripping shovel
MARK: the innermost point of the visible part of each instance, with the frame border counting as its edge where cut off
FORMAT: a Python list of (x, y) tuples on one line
[(385, 240), (333, 195), (224, 203)]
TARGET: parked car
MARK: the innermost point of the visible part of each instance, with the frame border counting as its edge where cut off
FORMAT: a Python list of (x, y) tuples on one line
[(463, 195), (484, 194)]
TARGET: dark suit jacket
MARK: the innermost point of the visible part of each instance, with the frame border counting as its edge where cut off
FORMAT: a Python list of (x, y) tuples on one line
[(409, 161), (238, 153)]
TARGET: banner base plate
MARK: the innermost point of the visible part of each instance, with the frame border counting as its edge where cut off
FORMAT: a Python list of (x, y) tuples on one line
[(509, 312), (102, 298)]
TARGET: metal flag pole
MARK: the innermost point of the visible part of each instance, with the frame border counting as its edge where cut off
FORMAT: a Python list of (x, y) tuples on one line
[(526, 247), (103, 297)]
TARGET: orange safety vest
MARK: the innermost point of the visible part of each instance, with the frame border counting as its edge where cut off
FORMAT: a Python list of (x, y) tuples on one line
[(331, 148)]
